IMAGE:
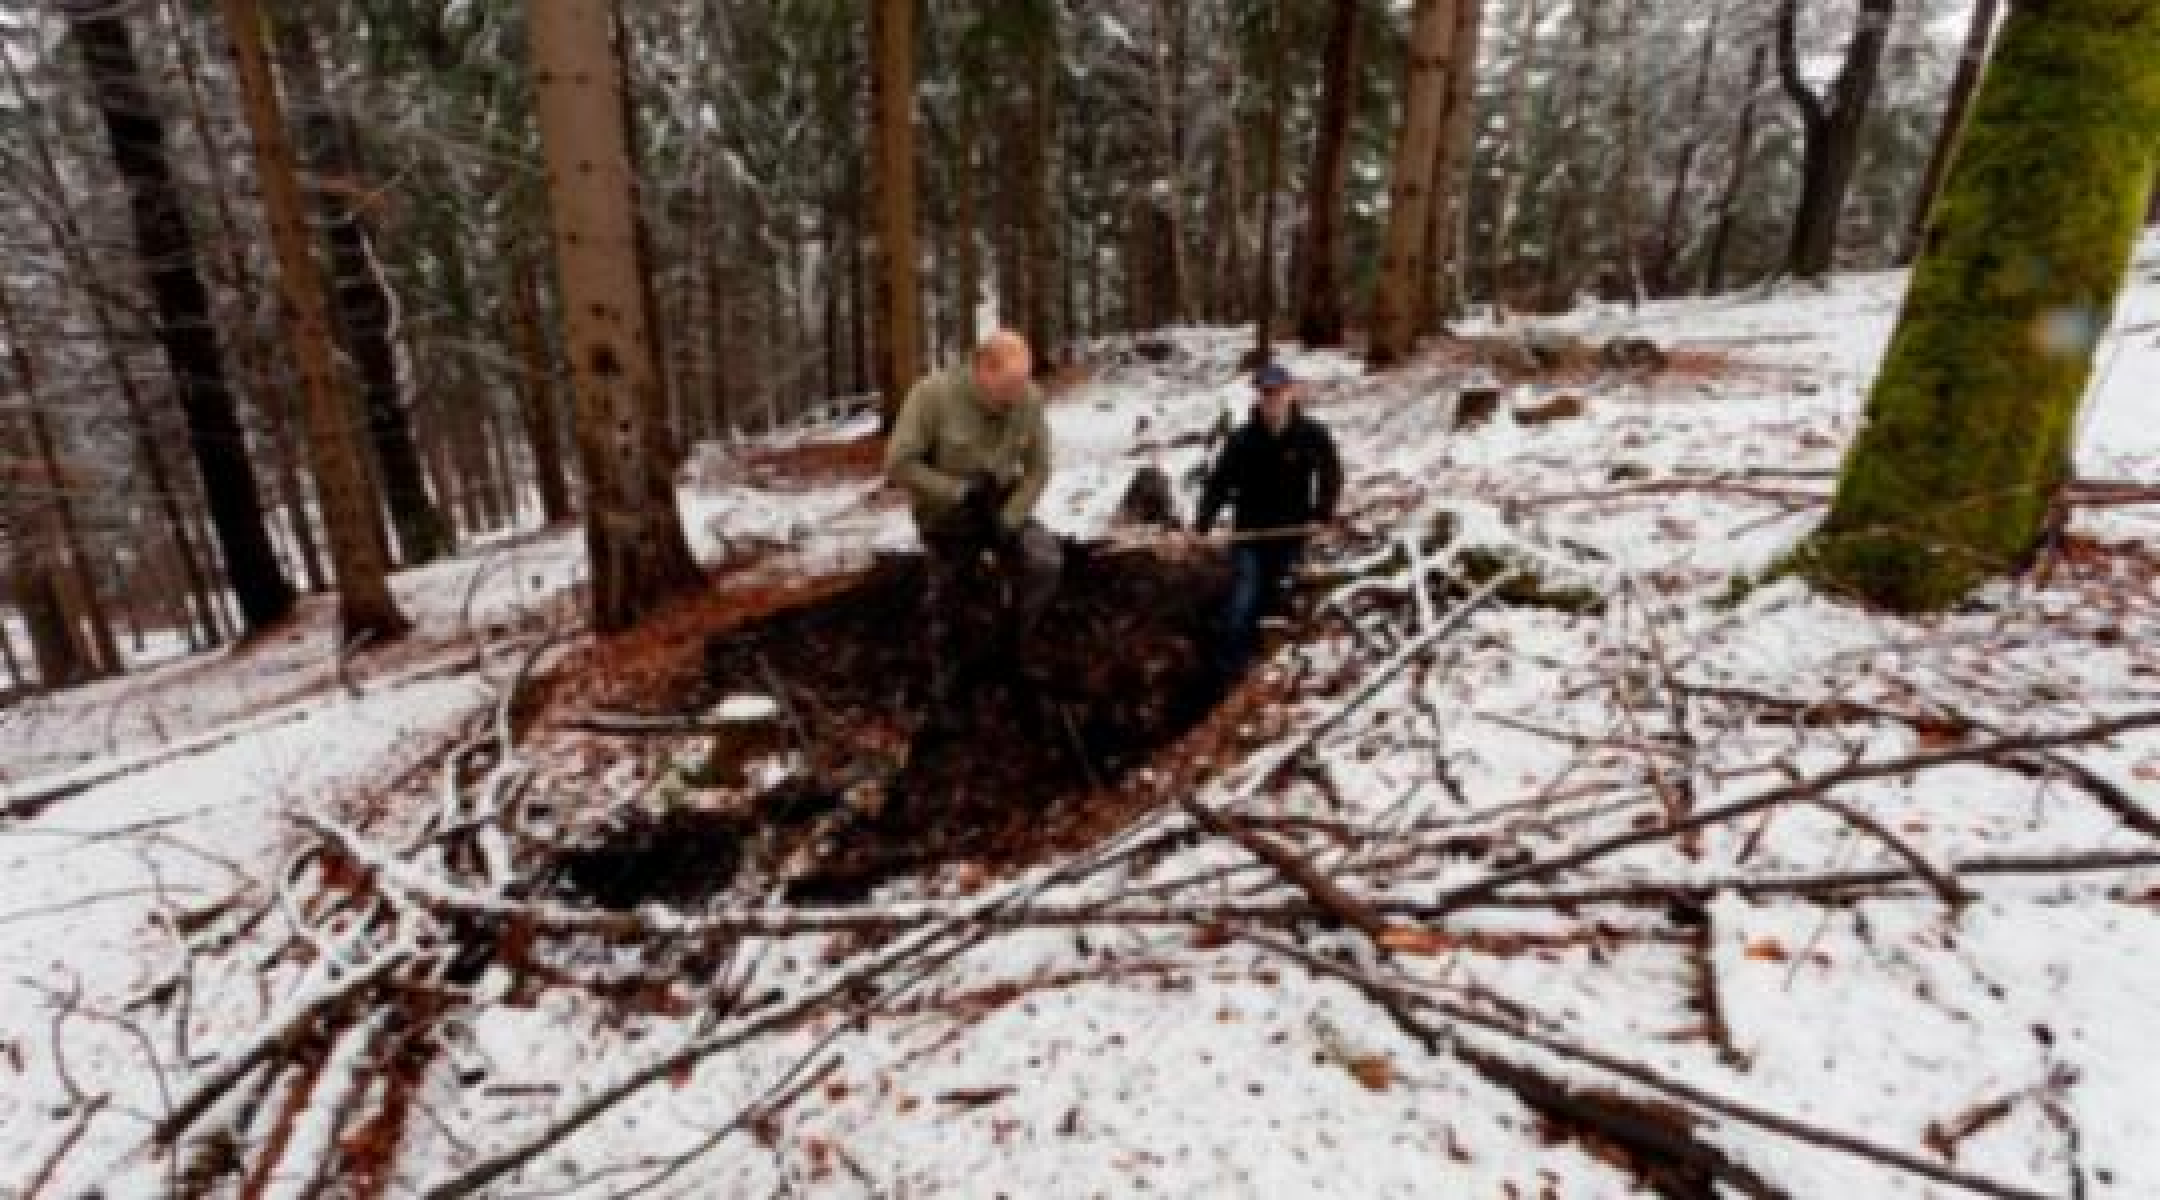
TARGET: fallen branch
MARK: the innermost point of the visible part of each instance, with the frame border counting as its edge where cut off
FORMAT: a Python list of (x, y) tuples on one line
[(278, 1034), (1401, 1000), (1943, 883), (1803, 790), (68, 1142)]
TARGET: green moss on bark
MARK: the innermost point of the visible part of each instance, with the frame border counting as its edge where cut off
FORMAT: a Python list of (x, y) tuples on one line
[(1969, 428)]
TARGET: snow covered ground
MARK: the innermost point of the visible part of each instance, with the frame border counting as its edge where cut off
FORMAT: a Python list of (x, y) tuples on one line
[(2007, 1037)]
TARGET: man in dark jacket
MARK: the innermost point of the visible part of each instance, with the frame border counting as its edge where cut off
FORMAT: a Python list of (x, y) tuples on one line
[(1281, 478)]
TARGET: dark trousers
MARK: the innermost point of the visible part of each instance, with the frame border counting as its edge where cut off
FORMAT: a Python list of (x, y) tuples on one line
[(1260, 576), (965, 573)]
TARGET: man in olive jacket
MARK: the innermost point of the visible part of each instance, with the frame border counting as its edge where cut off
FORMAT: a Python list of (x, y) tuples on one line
[(972, 449)]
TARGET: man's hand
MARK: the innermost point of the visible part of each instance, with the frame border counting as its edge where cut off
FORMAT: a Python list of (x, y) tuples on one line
[(981, 496)]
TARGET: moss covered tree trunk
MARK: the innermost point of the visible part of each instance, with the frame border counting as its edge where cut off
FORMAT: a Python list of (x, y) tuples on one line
[(1969, 429)]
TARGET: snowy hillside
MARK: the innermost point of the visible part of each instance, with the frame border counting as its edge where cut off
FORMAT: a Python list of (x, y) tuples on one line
[(1839, 904)]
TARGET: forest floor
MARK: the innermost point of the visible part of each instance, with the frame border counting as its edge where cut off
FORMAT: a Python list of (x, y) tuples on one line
[(1466, 891)]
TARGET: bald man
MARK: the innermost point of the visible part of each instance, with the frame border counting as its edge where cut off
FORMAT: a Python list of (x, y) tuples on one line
[(972, 449)]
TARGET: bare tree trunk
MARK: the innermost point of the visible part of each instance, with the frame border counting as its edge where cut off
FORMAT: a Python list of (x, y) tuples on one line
[(1832, 130), (254, 367), (366, 610), (17, 680), (60, 662), (1320, 284), (1743, 153), (461, 395), (967, 221), (1627, 191), (892, 104), (363, 306), (72, 559), (216, 600), (131, 600), (509, 492), (1441, 290), (1517, 158), (1271, 180), (1979, 31), (640, 558), (166, 246), (1664, 265), (1039, 229), (1227, 274), (536, 392), (1434, 59), (1566, 246), (1169, 203)]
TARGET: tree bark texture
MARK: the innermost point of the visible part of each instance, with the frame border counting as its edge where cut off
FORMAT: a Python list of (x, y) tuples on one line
[(1434, 59), (1320, 288), (1832, 128), (166, 246), (1970, 427), (638, 555)]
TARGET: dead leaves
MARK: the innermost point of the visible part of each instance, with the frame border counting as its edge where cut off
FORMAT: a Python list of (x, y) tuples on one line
[(1767, 950), (1771, 950), (1422, 943), (1376, 1072)]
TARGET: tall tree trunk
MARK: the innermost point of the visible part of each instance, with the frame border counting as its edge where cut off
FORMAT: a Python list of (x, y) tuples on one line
[(1566, 248), (1271, 180), (1169, 200), (892, 103), (967, 222), (1664, 265), (18, 680), (253, 366), (66, 529), (131, 601), (1320, 287), (166, 246), (1627, 190), (1516, 161), (1743, 153), (366, 610), (362, 302), (1442, 288), (1967, 443), (461, 394), (1434, 59), (59, 657), (640, 558), (1832, 130), (536, 392), (1979, 30), (1039, 228)]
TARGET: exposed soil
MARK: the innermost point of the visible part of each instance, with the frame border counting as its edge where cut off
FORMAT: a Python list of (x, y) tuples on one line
[(1042, 756)]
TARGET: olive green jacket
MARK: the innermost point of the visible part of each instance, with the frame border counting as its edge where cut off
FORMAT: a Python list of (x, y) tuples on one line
[(946, 434)]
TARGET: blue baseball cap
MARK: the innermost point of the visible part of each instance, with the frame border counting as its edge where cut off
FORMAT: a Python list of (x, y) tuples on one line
[(1270, 377)]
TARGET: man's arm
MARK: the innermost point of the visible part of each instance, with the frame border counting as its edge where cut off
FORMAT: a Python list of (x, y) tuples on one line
[(1329, 468), (1035, 472), (1221, 484), (907, 451)]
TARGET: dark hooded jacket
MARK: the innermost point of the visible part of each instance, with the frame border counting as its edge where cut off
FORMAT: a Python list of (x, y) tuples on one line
[(1274, 480)]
